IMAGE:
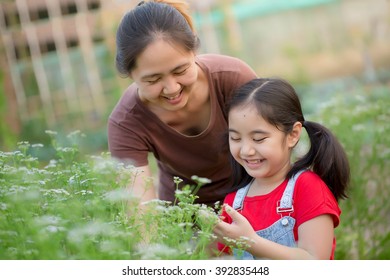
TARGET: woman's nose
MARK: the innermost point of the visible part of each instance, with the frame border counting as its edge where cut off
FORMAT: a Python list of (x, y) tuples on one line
[(171, 86)]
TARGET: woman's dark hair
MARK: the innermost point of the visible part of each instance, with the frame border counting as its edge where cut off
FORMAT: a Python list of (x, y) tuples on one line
[(277, 102), (151, 20)]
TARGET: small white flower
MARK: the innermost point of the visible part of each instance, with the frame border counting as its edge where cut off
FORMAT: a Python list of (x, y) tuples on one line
[(38, 145), (118, 195), (50, 132), (156, 251), (54, 229), (200, 179)]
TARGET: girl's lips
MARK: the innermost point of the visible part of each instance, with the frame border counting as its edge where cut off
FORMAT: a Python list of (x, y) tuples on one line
[(255, 163)]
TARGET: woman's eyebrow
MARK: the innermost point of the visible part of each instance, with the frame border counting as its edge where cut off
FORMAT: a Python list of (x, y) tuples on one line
[(151, 76)]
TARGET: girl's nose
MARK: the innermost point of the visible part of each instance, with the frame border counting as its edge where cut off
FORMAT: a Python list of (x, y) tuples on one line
[(247, 149)]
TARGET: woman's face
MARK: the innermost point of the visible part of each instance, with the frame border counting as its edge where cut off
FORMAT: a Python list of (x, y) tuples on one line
[(165, 74)]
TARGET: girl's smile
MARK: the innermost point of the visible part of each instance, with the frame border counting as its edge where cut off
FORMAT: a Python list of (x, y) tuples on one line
[(253, 164)]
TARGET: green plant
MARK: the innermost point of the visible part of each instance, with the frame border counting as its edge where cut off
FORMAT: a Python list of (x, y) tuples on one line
[(360, 119), (76, 207)]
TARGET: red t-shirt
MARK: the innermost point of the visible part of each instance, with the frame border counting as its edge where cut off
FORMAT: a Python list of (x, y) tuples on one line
[(311, 198)]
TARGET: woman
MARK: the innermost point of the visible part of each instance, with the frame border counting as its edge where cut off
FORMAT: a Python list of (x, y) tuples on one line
[(175, 106)]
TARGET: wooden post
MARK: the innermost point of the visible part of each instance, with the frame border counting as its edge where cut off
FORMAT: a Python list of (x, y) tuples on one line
[(87, 47), (54, 10), (36, 58), (12, 61)]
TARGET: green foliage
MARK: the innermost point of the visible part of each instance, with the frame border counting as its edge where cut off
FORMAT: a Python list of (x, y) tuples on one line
[(360, 119), (7, 138), (76, 207)]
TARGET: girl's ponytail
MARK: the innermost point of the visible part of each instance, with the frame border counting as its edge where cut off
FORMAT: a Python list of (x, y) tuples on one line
[(327, 158)]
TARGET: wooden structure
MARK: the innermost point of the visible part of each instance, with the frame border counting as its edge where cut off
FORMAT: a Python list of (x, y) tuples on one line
[(55, 53), (59, 54)]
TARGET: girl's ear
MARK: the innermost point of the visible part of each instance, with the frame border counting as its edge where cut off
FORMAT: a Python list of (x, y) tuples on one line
[(295, 134)]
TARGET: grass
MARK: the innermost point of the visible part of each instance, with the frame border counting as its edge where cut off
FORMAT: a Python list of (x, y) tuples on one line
[(75, 206)]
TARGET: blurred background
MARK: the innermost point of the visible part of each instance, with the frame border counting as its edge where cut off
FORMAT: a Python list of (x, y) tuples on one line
[(57, 73), (57, 56)]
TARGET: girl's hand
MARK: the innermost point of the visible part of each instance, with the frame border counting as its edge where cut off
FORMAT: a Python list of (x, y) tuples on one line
[(239, 229)]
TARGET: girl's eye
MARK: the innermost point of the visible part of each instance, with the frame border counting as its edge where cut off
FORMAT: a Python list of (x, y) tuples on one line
[(259, 140), (234, 139)]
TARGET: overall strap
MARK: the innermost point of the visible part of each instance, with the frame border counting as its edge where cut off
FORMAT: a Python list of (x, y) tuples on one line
[(286, 202), (284, 205), (240, 195)]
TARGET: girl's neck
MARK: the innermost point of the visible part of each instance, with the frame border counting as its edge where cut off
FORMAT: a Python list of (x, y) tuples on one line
[(262, 186)]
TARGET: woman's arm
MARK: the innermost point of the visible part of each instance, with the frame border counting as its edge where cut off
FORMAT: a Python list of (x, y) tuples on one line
[(142, 186)]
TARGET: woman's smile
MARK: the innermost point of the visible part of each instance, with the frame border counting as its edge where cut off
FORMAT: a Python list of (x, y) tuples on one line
[(174, 99)]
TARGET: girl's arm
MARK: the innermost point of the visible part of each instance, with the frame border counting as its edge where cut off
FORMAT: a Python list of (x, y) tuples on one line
[(315, 238)]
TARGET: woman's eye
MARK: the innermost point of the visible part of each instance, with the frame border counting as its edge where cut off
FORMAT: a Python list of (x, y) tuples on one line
[(181, 72), (153, 81), (235, 139)]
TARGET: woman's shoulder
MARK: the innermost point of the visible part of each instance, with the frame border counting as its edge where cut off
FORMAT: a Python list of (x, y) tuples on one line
[(219, 62), (217, 57), (126, 104)]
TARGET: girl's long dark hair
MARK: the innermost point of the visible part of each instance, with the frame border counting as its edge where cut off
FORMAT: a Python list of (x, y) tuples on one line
[(277, 102)]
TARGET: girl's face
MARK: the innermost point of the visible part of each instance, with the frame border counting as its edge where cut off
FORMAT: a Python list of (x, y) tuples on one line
[(165, 74), (261, 148)]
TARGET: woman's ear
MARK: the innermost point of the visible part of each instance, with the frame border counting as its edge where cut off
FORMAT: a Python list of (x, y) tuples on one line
[(295, 134)]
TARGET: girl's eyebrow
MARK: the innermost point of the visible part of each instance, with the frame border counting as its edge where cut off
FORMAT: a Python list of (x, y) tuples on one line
[(254, 132), (260, 131), (257, 131)]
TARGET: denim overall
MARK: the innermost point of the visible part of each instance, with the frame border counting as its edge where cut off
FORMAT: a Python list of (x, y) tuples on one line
[(281, 231)]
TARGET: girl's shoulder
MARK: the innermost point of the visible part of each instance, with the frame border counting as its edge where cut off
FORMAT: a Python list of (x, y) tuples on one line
[(310, 178), (310, 187), (312, 198), (229, 198)]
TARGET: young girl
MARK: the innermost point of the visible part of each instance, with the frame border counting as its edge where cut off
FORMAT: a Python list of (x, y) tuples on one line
[(174, 107), (282, 210)]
